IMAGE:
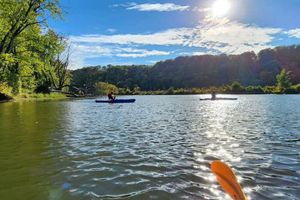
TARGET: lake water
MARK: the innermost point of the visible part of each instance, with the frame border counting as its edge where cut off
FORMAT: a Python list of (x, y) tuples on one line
[(160, 147)]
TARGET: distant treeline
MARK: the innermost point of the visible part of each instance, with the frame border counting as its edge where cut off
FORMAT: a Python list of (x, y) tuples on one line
[(189, 73), (102, 88)]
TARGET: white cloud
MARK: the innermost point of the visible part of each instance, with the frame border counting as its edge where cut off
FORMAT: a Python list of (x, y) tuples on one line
[(168, 37), (111, 30), (211, 36), (91, 51), (136, 53), (232, 37), (81, 52), (294, 33), (201, 10), (78, 54), (157, 7), (199, 53), (153, 61), (221, 36)]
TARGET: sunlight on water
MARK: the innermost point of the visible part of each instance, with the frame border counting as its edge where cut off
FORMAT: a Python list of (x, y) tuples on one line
[(160, 147)]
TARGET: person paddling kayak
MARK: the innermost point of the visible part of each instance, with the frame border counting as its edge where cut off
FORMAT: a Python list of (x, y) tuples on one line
[(213, 96), (111, 96)]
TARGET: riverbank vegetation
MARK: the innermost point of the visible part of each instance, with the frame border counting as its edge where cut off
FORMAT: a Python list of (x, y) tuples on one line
[(234, 88), (33, 58), (283, 86)]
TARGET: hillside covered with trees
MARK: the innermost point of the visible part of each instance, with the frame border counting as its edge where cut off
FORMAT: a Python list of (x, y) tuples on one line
[(248, 69)]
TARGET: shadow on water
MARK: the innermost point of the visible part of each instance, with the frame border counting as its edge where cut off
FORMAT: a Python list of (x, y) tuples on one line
[(27, 130)]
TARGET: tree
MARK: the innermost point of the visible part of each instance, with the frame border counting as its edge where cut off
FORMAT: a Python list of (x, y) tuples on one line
[(283, 80), (23, 56), (22, 14), (60, 62), (237, 87), (86, 78), (102, 88)]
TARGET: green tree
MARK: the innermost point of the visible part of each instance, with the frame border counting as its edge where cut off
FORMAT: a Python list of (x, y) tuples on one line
[(283, 80), (20, 15), (236, 87), (86, 78), (23, 55), (102, 88), (59, 61)]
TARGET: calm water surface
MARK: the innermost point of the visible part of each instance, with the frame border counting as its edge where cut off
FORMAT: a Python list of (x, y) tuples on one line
[(157, 148)]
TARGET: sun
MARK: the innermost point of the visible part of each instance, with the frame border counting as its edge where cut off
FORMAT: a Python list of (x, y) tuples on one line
[(220, 8)]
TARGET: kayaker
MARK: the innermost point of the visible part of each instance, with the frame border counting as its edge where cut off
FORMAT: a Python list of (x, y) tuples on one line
[(111, 96), (213, 95)]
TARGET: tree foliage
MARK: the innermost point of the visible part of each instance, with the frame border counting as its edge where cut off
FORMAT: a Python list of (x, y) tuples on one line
[(30, 52), (283, 80), (247, 69), (102, 88)]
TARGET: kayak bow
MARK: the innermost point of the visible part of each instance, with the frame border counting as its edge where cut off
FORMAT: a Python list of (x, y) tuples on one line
[(228, 180)]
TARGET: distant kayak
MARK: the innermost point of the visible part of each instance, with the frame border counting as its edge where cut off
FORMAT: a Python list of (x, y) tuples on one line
[(210, 99), (116, 101)]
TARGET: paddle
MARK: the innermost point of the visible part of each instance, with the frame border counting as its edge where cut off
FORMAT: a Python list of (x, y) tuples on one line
[(227, 180)]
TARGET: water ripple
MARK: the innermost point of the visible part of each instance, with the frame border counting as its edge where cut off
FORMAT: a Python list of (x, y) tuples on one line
[(160, 147)]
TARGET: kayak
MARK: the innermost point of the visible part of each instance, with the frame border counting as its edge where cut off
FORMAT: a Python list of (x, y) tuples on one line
[(210, 99), (116, 101)]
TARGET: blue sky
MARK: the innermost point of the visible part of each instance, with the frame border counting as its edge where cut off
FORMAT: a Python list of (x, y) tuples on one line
[(120, 32)]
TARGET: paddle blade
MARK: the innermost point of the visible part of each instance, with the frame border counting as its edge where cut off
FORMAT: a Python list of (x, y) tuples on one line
[(227, 180)]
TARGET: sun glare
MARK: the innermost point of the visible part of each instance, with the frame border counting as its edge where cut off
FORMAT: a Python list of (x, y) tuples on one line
[(220, 8)]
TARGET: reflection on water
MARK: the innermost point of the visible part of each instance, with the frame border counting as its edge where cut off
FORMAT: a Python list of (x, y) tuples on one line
[(26, 130), (157, 148)]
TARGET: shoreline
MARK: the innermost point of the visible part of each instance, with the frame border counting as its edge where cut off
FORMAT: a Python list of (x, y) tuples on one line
[(35, 97), (64, 97)]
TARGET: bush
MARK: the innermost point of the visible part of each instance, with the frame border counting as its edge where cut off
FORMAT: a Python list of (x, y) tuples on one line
[(290, 90), (254, 90), (170, 90), (236, 87), (136, 90), (5, 89), (271, 90), (296, 88)]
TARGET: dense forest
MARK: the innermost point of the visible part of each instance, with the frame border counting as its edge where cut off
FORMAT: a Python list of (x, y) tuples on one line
[(248, 69), (33, 58)]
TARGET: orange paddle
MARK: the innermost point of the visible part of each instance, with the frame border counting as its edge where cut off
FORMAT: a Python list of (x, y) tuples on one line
[(227, 180)]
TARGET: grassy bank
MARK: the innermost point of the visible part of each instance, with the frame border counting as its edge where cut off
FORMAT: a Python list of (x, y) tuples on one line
[(40, 96), (34, 97)]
